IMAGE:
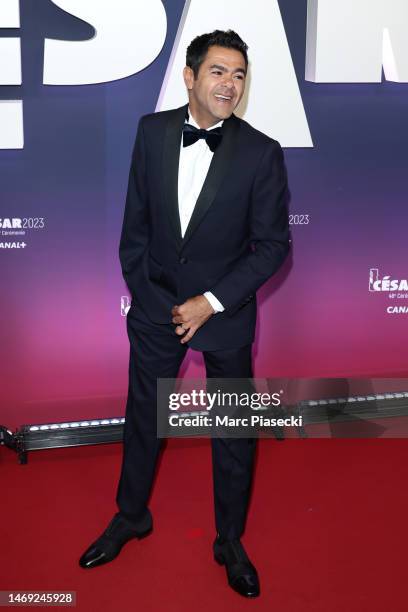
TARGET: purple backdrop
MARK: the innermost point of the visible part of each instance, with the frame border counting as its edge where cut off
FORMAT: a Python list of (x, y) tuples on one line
[(64, 348)]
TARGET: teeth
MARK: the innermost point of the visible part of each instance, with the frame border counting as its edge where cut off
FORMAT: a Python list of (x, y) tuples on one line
[(223, 97)]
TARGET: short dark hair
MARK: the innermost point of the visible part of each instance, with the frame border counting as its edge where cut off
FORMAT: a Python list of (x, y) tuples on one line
[(197, 49)]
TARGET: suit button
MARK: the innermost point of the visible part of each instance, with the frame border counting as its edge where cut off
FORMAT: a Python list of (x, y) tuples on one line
[(183, 260)]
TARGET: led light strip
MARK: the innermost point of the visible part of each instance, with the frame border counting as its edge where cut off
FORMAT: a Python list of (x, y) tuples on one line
[(76, 424)]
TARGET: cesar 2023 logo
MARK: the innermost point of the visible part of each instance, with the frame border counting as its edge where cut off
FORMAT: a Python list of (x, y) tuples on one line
[(396, 288), (350, 41)]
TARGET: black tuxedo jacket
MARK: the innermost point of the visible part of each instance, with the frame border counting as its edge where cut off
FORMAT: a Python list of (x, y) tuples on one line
[(238, 235)]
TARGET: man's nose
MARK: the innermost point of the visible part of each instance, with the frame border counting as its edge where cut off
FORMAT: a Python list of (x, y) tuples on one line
[(228, 81)]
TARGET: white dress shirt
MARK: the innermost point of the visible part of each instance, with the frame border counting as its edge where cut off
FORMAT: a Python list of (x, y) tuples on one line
[(193, 167)]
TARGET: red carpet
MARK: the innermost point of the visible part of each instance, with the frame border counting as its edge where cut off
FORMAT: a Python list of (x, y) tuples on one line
[(327, 528)]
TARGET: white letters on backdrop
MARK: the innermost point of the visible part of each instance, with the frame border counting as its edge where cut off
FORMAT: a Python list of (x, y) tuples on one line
[(9, 14), (10, 61), (129, 35), (347, 42), (11, 124), (11, 111), (352, 40)]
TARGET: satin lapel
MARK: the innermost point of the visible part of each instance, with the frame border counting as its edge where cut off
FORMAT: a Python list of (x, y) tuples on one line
[(171, 155), (218, 167)]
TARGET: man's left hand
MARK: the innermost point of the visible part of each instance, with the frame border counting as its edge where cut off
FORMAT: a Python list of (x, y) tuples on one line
[(191, 315)]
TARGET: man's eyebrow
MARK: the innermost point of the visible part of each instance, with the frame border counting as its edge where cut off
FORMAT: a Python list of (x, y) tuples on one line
[(223, 69)]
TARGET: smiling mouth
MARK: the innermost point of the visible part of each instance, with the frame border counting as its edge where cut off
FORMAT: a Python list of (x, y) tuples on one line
[(223, 99)]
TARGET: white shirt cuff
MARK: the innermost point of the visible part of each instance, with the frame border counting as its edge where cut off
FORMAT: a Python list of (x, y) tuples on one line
[(217, 306)]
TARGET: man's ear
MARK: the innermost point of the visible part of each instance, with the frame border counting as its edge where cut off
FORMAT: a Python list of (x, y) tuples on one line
[(188, 76)]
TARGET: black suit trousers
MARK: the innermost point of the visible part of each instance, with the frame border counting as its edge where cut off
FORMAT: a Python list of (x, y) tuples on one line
[(156, 352)]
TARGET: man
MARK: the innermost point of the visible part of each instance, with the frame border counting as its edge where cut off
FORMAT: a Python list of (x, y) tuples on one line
[(205, 225)]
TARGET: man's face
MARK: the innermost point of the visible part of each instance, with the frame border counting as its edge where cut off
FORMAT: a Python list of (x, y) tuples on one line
[(219, 86)]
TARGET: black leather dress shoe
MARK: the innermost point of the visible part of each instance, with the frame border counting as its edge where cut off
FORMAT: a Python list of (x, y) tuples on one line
[(119, 531), (242, 575)]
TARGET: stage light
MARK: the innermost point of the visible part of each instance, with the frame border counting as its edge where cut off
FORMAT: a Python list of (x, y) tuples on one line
[(58, 435), (355, 409)]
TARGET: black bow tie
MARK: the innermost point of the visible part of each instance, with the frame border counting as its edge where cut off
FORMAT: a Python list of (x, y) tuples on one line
[(191, 134)]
